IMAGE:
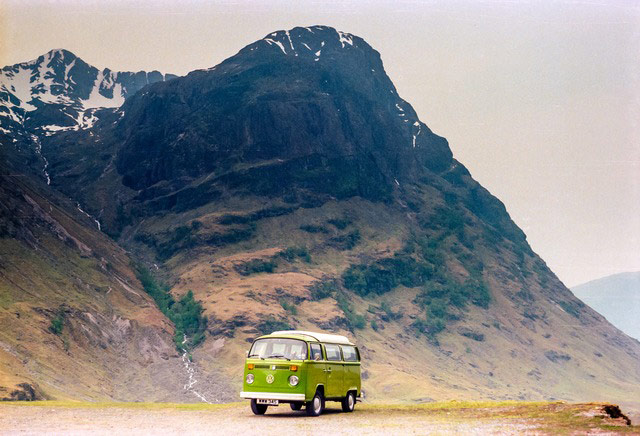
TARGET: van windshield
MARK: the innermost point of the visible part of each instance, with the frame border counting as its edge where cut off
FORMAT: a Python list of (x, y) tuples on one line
[(279, 348)]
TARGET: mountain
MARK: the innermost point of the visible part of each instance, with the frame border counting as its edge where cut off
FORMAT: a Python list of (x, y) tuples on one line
[(617, 298), (59, 91), (290, 185)]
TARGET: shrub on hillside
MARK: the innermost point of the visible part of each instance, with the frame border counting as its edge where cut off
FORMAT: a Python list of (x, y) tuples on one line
[(429, 326), (186, 313), (271, 324), (473, 290), (386, 274), (289, 307), (346, 242), (438, 297), (57, 323), (323, 289), (472, 334), (232, 236), (476, 288), (389, 314), (255, 266), (340, 223), (572, 308), (269, 265), (229, 219), (310, 228), (356, 321), (450, 219), (290, 254)]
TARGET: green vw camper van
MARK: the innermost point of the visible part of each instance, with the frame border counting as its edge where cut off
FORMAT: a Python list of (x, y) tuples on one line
[(302, 369)]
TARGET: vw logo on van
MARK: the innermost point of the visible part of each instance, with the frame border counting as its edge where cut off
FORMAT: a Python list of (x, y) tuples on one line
[(270, 378)]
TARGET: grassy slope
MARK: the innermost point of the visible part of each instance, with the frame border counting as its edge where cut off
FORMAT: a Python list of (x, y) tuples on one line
[(510, 363), (52, 260)]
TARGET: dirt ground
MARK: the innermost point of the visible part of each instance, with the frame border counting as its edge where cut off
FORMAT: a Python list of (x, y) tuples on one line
[(231, 419)]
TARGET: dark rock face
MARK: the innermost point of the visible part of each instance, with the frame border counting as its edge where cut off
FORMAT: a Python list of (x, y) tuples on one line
[(309, 99), (305, 115)]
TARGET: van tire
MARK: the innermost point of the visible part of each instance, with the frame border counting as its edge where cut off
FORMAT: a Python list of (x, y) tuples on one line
[(258, 409), (316, 405), (296, 406), (349, 402)]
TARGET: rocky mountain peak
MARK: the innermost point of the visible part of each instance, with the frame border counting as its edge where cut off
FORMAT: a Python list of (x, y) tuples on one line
[(58, 91), (295, 95), (312, 41)]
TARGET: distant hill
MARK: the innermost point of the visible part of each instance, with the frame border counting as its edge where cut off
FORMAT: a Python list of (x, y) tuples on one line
[(617, 298)]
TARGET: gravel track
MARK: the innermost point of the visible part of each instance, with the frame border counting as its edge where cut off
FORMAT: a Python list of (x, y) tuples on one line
[(238, 419)]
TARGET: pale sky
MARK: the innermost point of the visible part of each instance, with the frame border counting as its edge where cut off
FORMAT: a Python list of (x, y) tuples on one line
[(539, 99)]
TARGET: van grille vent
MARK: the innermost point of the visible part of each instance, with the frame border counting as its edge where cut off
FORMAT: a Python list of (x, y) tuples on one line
[(265, 366)]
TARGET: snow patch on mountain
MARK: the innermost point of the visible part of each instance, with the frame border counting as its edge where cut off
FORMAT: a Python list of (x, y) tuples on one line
[(345, 38), (415, 135), (308, 40), (96, 99)]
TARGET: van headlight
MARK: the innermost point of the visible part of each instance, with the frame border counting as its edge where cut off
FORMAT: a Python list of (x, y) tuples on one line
[(293, 380), (249, 378)]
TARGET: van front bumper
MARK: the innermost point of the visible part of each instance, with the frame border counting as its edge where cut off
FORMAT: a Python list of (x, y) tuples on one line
[(272, 396)]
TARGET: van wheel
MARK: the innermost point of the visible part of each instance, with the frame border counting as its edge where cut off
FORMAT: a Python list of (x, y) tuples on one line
[(349, 402), (258, 409), (316, 405), (296, 406)]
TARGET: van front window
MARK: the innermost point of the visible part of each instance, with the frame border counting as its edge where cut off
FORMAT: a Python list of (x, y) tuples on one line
[(279, 348)]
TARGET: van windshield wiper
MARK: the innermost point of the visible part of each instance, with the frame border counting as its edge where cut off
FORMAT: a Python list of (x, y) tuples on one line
[(277, 355)]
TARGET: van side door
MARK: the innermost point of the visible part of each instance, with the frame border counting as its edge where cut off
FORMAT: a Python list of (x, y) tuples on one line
[(316, 374), (351, 359), (335, 371)]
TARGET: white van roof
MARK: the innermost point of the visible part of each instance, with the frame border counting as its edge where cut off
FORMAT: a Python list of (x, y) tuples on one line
[(320, 337)]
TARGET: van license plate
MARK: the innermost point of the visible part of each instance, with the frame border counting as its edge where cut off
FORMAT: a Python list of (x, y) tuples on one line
[(268, 402)]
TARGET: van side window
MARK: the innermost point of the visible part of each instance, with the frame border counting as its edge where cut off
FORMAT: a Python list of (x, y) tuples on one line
[(316, 352), (333, 352), (349, 353)]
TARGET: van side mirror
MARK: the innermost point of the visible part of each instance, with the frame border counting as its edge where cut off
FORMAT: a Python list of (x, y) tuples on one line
[(246, 353)]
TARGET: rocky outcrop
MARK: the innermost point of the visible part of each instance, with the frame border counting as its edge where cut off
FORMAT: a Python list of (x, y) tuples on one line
[(24, 392)]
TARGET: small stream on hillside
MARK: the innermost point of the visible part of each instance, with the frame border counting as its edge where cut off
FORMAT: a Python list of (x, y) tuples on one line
[(191, 373), (38, 150), (82, 211)]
